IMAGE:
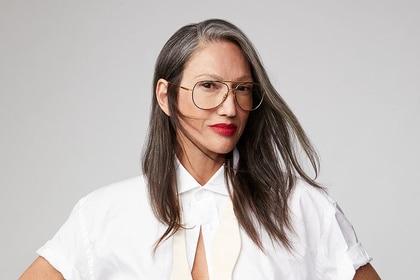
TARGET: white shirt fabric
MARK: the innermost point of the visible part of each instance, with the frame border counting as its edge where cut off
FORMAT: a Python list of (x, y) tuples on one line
[(111, 232)]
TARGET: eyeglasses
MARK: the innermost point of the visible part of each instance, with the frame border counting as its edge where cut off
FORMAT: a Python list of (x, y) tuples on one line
[(207, 95)]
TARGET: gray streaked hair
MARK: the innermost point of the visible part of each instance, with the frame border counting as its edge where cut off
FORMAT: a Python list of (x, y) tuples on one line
[(269, 147)]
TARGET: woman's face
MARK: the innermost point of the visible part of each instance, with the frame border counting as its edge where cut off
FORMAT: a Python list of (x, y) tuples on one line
[(217, 131)]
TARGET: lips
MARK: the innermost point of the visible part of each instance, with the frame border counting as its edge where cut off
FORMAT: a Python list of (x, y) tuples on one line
[(224, 129)]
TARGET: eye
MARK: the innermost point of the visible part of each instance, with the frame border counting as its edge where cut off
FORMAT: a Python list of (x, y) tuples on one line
[(208, 86), (244, 88)]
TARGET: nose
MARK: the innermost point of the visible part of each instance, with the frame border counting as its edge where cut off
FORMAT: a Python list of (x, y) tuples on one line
[(229, 106)]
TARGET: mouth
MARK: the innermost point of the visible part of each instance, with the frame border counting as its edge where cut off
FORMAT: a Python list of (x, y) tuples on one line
[(224, 129)]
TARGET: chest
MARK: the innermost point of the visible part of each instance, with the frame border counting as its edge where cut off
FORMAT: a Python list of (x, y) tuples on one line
[(138, 261)]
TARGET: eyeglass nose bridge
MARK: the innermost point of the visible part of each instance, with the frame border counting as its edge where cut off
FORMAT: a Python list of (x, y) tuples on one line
[(229, 89)]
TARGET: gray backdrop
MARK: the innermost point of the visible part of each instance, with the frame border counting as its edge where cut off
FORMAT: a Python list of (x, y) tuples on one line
[(75, 80)]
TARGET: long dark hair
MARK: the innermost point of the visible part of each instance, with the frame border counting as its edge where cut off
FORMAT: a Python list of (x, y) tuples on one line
[(269, 148)]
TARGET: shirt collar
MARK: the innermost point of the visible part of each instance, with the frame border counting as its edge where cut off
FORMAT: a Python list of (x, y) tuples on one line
[(186, 181), (217, 183)]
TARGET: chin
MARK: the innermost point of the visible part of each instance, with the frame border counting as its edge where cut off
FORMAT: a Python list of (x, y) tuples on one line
[(225, 150)]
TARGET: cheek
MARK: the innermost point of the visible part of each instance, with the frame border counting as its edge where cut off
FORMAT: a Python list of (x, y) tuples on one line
[(193, 119), (189, 111), (185, 105), (192, 114)]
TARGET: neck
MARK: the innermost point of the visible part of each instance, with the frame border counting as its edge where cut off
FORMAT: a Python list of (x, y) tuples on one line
[(200, 165)]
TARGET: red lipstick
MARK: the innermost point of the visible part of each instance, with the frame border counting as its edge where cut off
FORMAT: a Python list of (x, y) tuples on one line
[(225, 129)]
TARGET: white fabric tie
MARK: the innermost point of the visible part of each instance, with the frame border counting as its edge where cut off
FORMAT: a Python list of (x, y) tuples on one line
[(225, 249)]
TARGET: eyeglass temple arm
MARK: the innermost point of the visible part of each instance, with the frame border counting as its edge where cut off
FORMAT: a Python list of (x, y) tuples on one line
[(185, 88), (189, 89)]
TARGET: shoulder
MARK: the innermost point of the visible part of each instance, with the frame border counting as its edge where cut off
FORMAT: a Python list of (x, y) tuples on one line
[(318, 217), (325, 232), (121, 198), (313, 210), (307, 198), (122, 190)]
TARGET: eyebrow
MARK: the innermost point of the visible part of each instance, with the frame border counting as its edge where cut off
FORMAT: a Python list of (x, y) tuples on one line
[(245, 78)]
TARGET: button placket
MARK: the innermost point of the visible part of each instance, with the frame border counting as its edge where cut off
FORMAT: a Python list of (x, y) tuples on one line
[(202, 205)]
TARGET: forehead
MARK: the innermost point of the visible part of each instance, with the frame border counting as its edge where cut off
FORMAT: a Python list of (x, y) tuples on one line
[(222, 59)]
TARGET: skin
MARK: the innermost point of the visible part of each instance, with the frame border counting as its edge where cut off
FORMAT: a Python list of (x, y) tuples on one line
[(41, 269), (202, 152)]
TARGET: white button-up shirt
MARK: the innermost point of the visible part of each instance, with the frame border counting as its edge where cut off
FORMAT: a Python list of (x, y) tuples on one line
[(202, 207), (111, 233)]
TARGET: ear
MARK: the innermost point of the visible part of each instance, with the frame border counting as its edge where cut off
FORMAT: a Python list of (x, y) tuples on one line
[(162, 95)]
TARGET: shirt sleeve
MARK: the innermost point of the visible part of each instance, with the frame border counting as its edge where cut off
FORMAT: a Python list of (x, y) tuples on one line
[(340, 253), (69, 251)]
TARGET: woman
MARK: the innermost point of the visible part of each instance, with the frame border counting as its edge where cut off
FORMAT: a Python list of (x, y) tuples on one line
[(224, 194)]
